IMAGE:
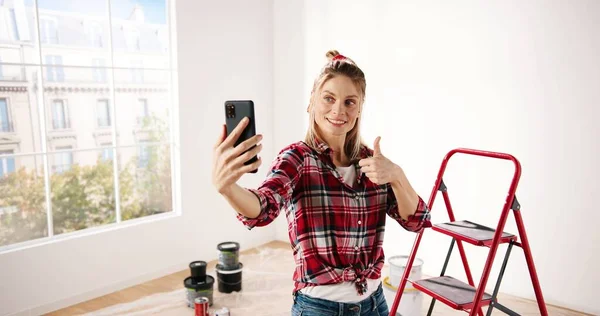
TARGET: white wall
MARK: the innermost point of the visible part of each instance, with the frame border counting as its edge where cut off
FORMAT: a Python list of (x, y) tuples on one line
[(514, 77), (289, 92), (224, 53)]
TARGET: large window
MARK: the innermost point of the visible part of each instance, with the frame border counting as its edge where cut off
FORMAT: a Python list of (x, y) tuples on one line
[(5, 123), (103, 111), (60, 116), (7, 163), (86, 103)]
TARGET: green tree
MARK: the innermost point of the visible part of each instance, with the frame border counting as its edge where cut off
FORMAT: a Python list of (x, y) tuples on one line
[(83, 196), (152, 182), (22, 199)]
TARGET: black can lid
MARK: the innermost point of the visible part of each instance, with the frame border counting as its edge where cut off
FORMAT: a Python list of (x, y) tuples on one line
[(198, 270), (228, 246), (199, 286), (195, 264)]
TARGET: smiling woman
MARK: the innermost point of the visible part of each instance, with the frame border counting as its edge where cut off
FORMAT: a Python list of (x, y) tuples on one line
[(342, 83), (336, 192)]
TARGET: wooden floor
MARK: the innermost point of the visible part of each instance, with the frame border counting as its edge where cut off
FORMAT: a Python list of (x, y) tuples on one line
[(174, 282), (165, 284)]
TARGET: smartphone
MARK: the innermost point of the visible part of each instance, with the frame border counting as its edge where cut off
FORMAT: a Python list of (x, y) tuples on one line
[(235, 111)]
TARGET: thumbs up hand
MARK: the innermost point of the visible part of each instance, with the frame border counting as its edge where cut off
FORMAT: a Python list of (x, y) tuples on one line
[(378, 168)]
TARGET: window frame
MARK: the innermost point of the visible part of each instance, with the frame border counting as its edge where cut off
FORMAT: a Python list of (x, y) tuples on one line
[(10, 121), (65, 112), (5, 155), (172, 143)]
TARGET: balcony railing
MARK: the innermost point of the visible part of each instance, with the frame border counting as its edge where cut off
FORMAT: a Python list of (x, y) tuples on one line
[(6, 127)]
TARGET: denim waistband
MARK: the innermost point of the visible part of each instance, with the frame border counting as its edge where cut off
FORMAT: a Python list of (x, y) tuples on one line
[(370, 303)]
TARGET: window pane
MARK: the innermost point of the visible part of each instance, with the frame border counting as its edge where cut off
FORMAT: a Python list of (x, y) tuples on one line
[(17, 30), (78, 79), (78, 110), (82, 189), (19, 126), (142, 109), (78, 31), (22, 198), (140, 33), (145, 180)]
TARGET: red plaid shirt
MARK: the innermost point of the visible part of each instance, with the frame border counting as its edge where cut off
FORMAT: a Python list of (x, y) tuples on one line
[(336, 231)]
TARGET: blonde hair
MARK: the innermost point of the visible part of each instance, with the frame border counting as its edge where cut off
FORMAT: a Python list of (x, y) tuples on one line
[(339, 65)]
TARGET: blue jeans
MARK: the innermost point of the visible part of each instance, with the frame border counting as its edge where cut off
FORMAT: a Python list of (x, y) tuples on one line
[(374, 305)]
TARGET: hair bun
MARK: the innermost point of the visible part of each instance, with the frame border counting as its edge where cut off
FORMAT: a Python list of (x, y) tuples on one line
[(332, 53)]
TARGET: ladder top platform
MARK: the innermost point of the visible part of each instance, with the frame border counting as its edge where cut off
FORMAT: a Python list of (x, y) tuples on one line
[(472, 233)]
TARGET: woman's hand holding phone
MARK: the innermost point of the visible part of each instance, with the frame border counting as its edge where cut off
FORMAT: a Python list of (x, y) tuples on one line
[(228, 159)]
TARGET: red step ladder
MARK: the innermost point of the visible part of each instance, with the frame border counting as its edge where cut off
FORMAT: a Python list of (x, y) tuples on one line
[(455, 293)]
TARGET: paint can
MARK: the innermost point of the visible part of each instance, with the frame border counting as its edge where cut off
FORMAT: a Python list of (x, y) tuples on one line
[(411, 303), (397, 267), (198, 271), (201, 306), (230, 280), (196, 290), (229, 253), (221, 312)]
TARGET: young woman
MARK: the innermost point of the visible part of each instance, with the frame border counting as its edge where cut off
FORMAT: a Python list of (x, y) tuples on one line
[(336, 193)]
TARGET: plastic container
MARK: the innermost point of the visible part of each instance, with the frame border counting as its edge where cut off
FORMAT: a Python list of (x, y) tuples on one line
[(229, 253), (198, 271), (229, 280), (411, 303), (397, 267), (199, 289)]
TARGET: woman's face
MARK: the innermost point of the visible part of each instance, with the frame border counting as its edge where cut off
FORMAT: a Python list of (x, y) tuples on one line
[(337, 107)]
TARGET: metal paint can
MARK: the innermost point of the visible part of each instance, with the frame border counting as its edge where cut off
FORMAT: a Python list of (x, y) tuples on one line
[(229, 253), (222, 312), (200, 289), (229, 280), (201, 306)]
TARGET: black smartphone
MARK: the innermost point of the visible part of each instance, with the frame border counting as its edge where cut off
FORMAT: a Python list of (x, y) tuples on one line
[(235, 111)]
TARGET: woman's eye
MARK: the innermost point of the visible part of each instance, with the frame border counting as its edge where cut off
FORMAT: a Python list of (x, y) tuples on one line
[(350, 102), (329, 99)]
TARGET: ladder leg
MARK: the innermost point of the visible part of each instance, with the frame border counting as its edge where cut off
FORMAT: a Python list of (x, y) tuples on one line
[(461, 249), (406, 273), (489, 261), (505, 309), (530, 264), (501, 274), (442, 274)]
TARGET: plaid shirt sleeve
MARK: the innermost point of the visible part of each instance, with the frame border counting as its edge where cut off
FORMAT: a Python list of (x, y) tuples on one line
[(415, 222), (276, 190)]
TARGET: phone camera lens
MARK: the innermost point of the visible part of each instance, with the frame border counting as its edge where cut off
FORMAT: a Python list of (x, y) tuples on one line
[(230, 111)]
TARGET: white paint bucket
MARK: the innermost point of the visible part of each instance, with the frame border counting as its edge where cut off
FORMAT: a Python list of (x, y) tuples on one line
[(411, 303), (397, 267)]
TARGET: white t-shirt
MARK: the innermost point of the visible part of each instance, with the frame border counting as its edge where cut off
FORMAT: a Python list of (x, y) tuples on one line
[(344, 292), (348, 173)]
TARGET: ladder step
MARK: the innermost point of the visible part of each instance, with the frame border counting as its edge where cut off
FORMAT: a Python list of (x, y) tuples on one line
[(472, 233), (450, 291)]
